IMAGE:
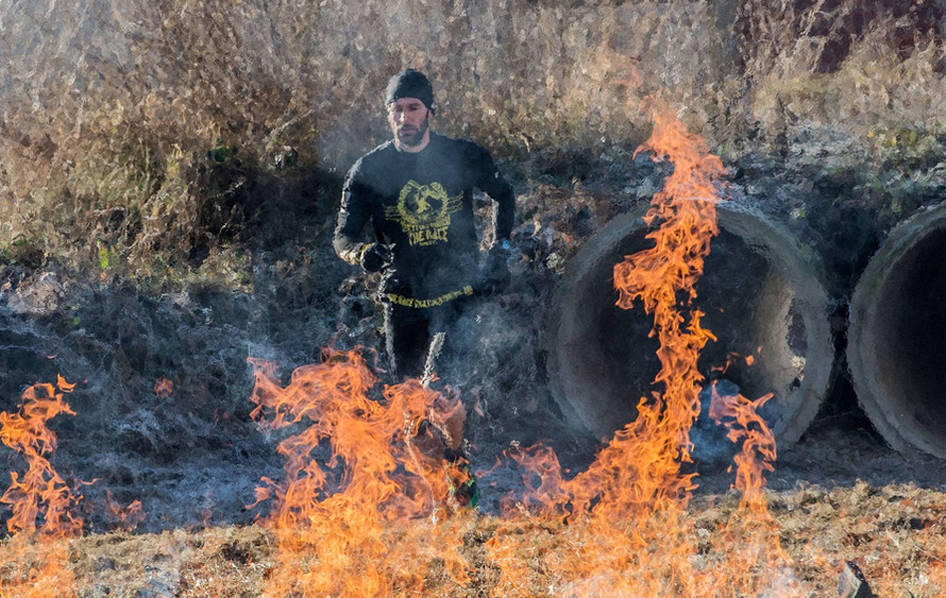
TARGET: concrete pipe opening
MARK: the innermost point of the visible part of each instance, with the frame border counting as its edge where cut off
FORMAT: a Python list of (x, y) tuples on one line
[(897, 335), (761, 295)]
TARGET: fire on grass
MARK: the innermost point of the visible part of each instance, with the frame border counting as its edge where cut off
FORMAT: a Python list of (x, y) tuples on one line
[(622, 524), (34, 560), (364, 509), (375, 518), (368, 505)]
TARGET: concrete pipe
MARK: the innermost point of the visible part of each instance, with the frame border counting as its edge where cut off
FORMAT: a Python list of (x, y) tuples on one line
[(897, 335), (762, 296)]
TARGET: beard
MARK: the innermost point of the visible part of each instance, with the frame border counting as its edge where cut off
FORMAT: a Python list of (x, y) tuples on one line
[(412, 136)]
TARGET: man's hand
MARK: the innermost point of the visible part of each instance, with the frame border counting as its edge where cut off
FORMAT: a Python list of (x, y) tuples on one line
[(375, 256), (496, 275)]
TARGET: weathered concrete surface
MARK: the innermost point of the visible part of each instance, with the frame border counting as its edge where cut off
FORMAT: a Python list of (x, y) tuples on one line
[(896, 349), (762, 295)]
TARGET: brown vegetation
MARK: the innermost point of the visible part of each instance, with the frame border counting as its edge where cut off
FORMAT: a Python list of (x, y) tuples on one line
[(895, 531), (157, 133)]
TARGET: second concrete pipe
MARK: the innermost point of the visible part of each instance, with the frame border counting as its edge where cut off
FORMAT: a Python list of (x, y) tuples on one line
[(897, 335)]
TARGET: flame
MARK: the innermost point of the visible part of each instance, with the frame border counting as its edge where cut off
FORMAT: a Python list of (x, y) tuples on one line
[(163, 387), (363, 510), (124, 518), (756, 552), (621, 525), (937, 574), (37, 554), (63, 385)]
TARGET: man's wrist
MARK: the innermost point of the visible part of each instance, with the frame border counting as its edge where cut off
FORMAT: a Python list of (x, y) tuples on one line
[(503, 246), (375, 257)]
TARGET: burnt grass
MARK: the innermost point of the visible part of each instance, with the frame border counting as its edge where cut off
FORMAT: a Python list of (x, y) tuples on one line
[(193, 457)]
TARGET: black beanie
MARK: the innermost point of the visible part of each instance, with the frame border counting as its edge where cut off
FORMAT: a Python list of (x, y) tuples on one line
[(410, 84)]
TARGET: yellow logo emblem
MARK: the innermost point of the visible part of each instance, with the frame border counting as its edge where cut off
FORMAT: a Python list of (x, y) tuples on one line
[(424, 212)]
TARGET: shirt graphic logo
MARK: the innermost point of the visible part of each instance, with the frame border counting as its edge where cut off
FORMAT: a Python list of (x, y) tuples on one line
[(424, 212)]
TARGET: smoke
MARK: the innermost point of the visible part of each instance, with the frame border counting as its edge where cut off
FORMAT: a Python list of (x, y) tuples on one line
[(710, 445)]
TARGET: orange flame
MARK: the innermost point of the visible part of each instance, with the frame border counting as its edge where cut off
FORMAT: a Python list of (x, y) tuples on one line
[(26, 433), (627, 532), (163, 387), (937, 574), (124, 518), (756, 551), (370, 516), (363, 509), (40, 494)]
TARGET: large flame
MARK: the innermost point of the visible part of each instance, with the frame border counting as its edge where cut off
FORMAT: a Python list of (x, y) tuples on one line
[(363, 510), (42, 521), (622, 524)]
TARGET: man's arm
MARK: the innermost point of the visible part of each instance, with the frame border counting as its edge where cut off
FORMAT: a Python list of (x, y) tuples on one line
[(500, 191), (352, 216), (496, 271)]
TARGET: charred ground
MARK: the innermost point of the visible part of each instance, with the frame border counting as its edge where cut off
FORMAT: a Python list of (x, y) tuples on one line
[(193, 457)]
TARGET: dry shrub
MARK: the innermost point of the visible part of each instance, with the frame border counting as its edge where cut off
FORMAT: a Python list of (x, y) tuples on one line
[(154, 149), (157, 132), (861, 68)]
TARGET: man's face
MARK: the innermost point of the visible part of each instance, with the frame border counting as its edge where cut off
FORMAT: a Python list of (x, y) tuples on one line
[(409, 119)]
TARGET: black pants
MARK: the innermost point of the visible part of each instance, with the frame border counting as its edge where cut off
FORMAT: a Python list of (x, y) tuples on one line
[(409, 330)]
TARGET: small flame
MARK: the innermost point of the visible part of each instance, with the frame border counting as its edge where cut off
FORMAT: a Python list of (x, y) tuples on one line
[(756, 549), (937, 575), (63, 385), (163, 387), (40, 495), (124, 518), (41, 490)]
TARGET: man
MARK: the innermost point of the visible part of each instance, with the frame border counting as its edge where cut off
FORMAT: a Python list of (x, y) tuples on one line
[(417, 192)]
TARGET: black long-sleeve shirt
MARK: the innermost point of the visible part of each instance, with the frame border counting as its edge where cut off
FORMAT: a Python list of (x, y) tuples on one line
[(422, 204)]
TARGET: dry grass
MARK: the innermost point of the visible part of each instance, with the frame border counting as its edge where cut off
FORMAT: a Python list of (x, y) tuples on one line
[(156, 133), (869, 69), (894, 533)]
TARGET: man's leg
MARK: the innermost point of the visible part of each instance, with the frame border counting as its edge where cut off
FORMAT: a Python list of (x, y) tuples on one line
[(406, 336), (454, 321)]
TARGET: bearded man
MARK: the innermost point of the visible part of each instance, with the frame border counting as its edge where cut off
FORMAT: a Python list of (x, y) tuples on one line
[(416, 190)]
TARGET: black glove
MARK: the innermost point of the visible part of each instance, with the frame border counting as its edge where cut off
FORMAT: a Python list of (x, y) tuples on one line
[(496, 275), (375, 256)]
